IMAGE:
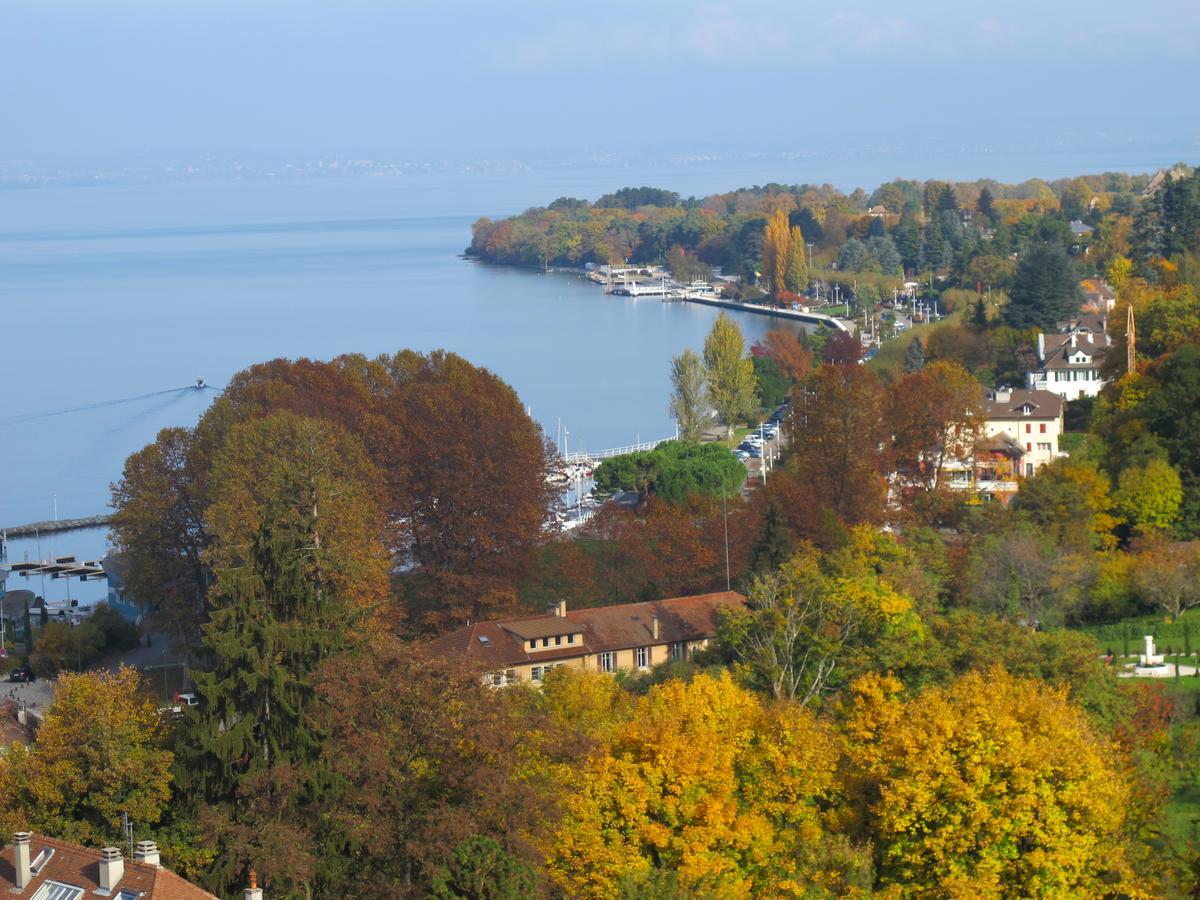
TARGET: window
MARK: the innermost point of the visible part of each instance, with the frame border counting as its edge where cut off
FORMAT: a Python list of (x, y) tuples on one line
[(533, 645), (677, 650), (1028, 470), (1029, 448), (558, 638), (1028, 428), (536, 673), (606, 661), (546, 642), (1044, 445), (510, 676), (1042, 428), (570, 638), (642, 657)]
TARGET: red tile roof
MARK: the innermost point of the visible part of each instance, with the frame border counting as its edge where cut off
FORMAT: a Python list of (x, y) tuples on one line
[(80, 866), (1044, 404), (602, 628)]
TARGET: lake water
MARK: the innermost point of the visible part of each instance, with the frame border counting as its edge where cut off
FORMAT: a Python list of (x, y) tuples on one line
[(131, 291)]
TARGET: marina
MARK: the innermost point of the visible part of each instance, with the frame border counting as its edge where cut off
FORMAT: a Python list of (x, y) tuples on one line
[(655, 282)]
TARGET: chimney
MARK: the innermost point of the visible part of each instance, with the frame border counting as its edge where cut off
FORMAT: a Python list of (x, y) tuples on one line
[(147, 852), (112, 868), (254, 892), (654, 626), (557, 609), (1074, 336), (21, 858)]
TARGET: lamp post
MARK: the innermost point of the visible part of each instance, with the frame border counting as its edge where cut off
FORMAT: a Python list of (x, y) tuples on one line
[(725, 514)]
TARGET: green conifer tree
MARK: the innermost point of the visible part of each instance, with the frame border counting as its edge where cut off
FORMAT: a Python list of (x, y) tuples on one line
[(773, 546), (251, 755), (914, 356)]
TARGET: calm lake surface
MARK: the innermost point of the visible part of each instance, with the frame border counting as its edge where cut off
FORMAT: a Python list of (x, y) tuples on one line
[(132, 291)]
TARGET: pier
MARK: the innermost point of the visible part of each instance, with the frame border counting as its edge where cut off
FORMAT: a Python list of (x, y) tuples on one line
[(778, 312), (53, 525), (585, 456)]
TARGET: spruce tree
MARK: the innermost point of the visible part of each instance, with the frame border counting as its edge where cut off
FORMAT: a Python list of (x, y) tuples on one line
[(773, 546), (914, 356), (1045, 290), (252, 749)]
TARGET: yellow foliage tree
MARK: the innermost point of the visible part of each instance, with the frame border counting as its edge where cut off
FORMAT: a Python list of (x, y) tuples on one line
[(707, 783), (995, 786), (784, 268), (99, 753)]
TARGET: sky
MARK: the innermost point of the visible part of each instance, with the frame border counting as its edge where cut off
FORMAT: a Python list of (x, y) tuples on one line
[(483, 80)]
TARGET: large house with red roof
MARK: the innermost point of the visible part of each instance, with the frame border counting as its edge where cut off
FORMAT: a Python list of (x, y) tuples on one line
[(37, 867), (629, 637)]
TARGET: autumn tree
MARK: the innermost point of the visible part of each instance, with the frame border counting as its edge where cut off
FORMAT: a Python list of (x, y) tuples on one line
[(795, 270), (776, 249), (839, 441), (729, 373), (1149, 496), (1015, 575), (935, 415), (802, 623), (158, 530), (704, 784), (1071, 501), (467, 516), (100, 753), (1044, 796), (842, 349), (432, 762), (687, 395), (787, 350), (308, 471), (473, 493), (1168, 576)]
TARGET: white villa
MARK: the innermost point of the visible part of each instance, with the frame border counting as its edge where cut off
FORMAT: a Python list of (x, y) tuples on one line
[(1069, 362)]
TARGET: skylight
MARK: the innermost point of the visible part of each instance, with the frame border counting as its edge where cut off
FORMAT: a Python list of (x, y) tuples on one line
[(55, 890), (484, 639)]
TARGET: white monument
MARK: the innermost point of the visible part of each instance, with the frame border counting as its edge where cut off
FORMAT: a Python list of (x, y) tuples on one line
[(1151, 663)]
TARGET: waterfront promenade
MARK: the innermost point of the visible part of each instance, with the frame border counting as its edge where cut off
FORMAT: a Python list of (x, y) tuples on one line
[(778, 312)]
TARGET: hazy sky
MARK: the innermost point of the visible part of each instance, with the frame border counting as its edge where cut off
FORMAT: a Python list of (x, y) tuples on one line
[(82, 78)]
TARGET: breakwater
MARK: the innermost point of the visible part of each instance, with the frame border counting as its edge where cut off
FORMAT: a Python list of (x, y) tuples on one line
[(53, 525)]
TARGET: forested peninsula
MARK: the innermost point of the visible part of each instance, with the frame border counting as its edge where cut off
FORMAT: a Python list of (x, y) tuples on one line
[(962, 234)]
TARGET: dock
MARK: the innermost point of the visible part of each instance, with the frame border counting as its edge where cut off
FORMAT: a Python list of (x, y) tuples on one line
[(60, 567)]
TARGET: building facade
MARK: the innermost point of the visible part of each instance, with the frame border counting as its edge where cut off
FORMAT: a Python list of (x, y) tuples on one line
[(1030, 419), (629, 637)]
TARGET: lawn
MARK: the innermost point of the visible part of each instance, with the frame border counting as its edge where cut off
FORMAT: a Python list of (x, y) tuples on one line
[(1182, 636), (890, 358)]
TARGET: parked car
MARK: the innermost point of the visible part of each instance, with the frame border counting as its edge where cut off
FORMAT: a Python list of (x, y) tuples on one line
[(22, 673), (755, 452)]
